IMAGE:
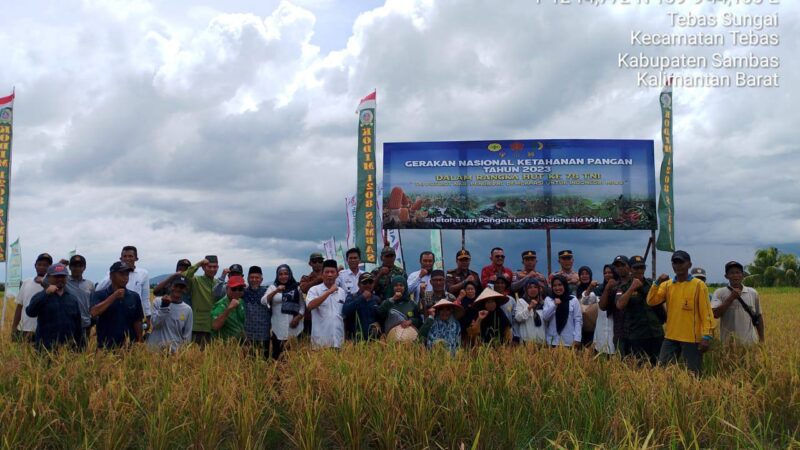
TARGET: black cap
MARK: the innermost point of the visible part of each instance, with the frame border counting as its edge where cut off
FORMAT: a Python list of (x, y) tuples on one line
[(463, 253), (366, 276), (179, 280), (316, 256), (212, 259), (183, 263), (528, 254), (681, 255), (236, 269), (254, 269), (621, 259), (731, 264), (77, 260), (330, 263), (637, 261), (565, 254), (45, 257), (119, 266)]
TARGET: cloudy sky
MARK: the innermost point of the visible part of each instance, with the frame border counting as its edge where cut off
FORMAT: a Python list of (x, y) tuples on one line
[(228, 127)]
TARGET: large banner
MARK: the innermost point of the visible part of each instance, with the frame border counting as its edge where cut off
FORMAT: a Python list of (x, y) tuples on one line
[(666, 207), (13, 277), (6, 123), (366, 227), (587, 184)]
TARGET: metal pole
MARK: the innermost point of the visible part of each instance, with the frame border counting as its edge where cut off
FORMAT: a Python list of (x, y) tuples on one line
[(463, 239), (549, 255), (653, 249), (647, 250)]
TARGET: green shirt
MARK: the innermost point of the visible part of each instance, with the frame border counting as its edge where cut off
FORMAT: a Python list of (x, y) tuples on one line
[(641, 322), (203, 300), (234, 324)]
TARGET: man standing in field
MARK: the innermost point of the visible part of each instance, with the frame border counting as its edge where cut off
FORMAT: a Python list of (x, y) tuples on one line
[(81, 288), (201, 289), (118, 310), (457, 278), (314, 278), (139, 280), (228, 313), (738, 308), (527, 272), (257, 316), (497, 267), (57, 313), (23, 327), (643, 331), (325, 301), (384, 274), (172, 319), (348, 278), (689, 315), (566, 261), (419, 282)]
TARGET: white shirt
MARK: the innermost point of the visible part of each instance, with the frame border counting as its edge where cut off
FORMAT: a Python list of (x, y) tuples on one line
[(414, 281), (572, 329), (327, 328), (138, 282), (281, 322), (736, 321), (604, 333), (27, 290), (348, 280), (525, 321), (508, 308)]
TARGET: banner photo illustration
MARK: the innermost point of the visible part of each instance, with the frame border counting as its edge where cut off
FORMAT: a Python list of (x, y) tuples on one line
[(520, 184)]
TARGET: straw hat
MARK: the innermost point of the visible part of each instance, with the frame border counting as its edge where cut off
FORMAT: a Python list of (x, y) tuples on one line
[(458, 311), (400, 334), (490, 294)]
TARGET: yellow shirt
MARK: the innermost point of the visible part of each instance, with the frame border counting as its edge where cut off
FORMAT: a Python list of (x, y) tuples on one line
[(689, 315)]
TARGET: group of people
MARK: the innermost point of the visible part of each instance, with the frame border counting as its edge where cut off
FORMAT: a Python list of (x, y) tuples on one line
[(624, 313)]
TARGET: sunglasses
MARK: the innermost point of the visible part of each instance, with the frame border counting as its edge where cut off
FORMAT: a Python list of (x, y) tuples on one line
[(238, 289), (500, 256), (317, 261), (368, 282)]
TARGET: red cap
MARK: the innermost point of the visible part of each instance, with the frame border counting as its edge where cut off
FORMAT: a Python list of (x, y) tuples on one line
[(235, 281)]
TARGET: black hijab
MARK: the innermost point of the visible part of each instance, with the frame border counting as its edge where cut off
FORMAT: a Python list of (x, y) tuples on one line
[(581, 285), (494, 326), (536, 319), (291, 283), (562, 310), (291, 293), (599, 291)]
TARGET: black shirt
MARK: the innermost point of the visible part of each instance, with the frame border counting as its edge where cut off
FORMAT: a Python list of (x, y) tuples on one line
[(58, 319)]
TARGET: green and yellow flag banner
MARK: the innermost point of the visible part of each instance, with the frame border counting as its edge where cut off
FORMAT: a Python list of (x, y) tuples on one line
[(366, 189), (666, 207), (6, 123)]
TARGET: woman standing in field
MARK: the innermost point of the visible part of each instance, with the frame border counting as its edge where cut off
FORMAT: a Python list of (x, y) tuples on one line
[(528, 313), (563, 313), (492, 326), (604, 328), (286, 302), (400, 311), (588, 299), (466, 299), (442, 327)]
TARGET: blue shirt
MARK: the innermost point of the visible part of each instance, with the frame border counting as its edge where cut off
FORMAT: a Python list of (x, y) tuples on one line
[(257, 317), (366, 312), (116, 323), (58, 319)]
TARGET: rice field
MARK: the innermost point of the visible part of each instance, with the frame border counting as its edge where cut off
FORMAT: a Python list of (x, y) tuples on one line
[(382, 396)]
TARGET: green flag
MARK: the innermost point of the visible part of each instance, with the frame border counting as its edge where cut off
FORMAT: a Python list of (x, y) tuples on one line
[(666, 206), (366, 188), (436, 248)]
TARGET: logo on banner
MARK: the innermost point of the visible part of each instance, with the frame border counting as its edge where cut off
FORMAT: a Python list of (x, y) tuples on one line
[(366, 117), (666, 100), (5, 115)]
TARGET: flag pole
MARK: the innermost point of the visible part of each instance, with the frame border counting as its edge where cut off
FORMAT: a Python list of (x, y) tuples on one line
[(463, 239), (549, 253), (8, 209), (653, 249)]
